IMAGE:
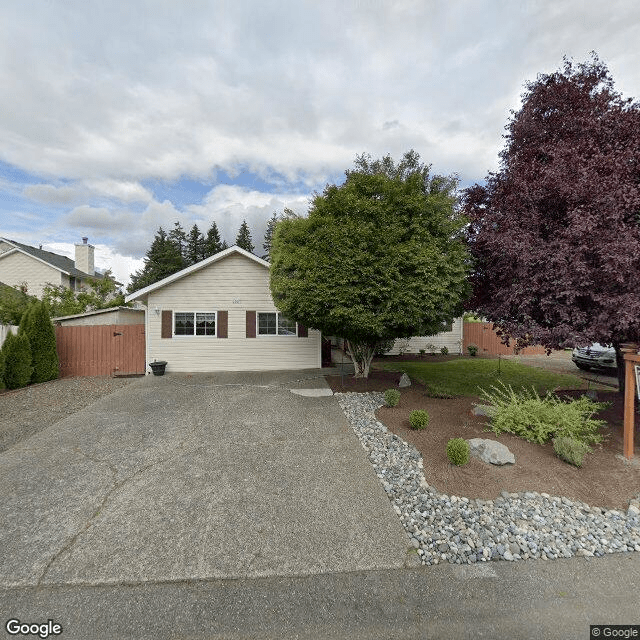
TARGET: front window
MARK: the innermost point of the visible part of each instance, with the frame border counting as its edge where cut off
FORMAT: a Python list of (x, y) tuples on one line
[(275, 324), (194, 323)]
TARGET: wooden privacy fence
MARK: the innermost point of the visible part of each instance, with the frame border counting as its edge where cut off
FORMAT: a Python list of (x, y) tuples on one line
[(102, 350), (489, 344)]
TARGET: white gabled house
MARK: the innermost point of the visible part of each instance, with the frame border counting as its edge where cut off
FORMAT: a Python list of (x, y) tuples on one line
[(218, 315)]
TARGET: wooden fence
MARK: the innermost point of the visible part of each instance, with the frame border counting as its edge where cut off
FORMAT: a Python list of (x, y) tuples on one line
[(101, 350), (489, 344)]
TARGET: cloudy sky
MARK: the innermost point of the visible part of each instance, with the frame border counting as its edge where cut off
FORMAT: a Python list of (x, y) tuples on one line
[(123, 116)]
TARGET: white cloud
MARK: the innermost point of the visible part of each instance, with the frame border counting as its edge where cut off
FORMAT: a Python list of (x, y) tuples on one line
[(229, 205), (109, 95), (292, 90)]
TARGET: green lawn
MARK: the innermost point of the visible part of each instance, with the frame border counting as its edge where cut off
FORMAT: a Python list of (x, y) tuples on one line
[(465, 376)]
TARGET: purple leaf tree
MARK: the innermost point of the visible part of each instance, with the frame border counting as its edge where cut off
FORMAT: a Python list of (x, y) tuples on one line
[(555, 233)]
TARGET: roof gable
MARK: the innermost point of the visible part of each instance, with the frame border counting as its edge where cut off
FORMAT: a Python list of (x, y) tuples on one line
[(141, 293), (61, 263)]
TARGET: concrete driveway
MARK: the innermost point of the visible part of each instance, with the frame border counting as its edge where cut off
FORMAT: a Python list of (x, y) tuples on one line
[(190, 477)]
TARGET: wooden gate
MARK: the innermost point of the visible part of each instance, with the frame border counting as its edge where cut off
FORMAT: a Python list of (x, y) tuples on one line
[(489, 344), (102, 350)]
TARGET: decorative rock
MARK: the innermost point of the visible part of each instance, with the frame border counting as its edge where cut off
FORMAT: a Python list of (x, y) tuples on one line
[(490, 451), (482, 410), (405, 381), (514, 527)]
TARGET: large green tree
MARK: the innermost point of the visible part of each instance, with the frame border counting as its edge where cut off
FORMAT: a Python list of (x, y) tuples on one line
[(212, 242), (163, 259), (13, 303), (101, 293), (379, 257), (243, 239), (194, 249)]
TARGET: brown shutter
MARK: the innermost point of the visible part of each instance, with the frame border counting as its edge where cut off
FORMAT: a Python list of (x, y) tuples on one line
[(223, 323), (303, 332), (251, 324), (167, 324)]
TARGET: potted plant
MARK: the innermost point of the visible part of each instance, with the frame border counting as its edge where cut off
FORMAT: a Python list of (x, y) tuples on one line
[(158, 366)]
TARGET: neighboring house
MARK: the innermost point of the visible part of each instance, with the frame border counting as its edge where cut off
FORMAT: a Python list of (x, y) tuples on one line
[(452, 338), (21, 264), (218, 315)]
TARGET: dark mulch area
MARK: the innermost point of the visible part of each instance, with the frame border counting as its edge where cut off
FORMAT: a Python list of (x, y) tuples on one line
[(604, 480)]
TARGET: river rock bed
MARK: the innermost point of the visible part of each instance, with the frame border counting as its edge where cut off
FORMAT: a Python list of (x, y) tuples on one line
[(514, 526)]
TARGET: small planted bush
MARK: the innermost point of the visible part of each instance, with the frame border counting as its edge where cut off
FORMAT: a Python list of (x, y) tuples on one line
[(444, 351), (458, 451), (16, 354), (536, 419), (472, 349), (419, 419), (391, 397), (570, 449), (422, 352)]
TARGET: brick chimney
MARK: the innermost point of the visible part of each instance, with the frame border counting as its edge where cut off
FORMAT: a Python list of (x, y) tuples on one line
[(84, 257)]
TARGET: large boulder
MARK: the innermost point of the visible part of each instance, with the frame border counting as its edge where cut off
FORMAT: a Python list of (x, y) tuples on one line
[(490, 451), (405, 381)]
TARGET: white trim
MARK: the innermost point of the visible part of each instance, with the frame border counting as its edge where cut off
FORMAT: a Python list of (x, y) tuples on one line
[(195, 316), (194, 267)]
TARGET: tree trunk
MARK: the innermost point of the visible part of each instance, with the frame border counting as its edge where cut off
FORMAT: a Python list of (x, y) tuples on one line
[(361, 354)]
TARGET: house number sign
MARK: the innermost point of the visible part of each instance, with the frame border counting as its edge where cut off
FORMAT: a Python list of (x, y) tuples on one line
[(236, 301)]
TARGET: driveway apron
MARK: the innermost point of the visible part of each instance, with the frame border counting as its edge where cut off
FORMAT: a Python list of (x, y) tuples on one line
[(189, 477)]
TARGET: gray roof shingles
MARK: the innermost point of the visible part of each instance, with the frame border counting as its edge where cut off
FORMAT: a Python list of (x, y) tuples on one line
[(55, 260)]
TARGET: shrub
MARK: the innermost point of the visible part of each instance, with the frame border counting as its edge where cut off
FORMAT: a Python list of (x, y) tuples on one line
[(472, 349), (444, 351), (2, 384), (570, 449), (36, 323), (431, 348), (391, 397), (383, 346), (16, 354), (422, 352), (458, 451), (418, 419), (536, 419)]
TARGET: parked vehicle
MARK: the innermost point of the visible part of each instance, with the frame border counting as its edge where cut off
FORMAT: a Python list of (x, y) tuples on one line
[(595, 356)]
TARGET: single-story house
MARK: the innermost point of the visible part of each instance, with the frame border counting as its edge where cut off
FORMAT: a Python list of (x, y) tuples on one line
[(218, 315), (451, 337), (21, 264)]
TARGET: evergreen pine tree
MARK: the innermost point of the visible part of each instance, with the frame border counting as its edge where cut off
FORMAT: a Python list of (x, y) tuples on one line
[(16, 354), (36, 324), (243, 239), (212, 244), (163, 259), (271, 226), (179, 239), (194, 251)]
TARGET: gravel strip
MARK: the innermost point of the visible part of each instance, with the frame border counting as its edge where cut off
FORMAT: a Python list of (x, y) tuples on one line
[(514, 526), (24, 412)]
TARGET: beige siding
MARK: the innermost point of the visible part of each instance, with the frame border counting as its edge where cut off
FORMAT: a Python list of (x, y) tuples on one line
[(450, 339), (17, 268), (235, 284)]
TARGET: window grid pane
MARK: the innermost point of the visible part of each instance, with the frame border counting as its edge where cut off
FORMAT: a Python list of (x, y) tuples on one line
[(286, 327), (267, 324), (205, 324), (184, 324)]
